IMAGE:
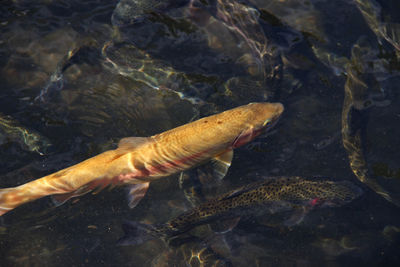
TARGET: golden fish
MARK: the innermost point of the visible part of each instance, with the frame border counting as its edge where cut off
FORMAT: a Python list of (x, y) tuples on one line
[(140, 160)]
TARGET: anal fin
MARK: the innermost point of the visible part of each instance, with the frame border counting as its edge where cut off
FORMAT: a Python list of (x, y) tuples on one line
[(60, 199), (224, 226), (136, 193), (297, 216), (136, 233), (96, 186)]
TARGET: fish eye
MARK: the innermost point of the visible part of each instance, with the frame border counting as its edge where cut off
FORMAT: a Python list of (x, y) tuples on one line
[(266, 122)]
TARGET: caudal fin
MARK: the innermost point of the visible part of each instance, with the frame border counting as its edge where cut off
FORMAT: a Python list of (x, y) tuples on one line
[(10, 198), (136, 233)]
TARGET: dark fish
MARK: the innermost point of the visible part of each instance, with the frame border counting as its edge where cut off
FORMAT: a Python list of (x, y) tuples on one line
[(134, 11), (272, 195)]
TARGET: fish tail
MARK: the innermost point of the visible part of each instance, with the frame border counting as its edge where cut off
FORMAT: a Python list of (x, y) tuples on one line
[(136, 233), (11, 198)]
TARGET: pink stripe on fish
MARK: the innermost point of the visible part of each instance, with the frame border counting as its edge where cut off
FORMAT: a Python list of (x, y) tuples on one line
[(314, 202), (177, 164), (165, 168)]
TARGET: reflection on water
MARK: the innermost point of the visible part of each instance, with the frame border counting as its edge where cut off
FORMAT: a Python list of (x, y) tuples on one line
[(11, 131), (383, 20), (79, 75), (360, 94)]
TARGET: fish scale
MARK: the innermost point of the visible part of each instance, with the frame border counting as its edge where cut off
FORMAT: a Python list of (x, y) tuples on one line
[(139, 160)]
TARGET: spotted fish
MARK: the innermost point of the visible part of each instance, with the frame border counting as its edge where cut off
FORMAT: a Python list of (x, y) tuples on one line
[(139, 160), (272, 195)]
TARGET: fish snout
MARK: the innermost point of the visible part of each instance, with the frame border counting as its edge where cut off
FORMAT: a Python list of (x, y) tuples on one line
[(279, 108)]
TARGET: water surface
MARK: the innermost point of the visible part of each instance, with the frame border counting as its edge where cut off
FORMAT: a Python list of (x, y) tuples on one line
[(74, 81)]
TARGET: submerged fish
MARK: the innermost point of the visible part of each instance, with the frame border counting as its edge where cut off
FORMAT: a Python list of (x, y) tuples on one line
[(134, 11), (272, 195), (140, 160)]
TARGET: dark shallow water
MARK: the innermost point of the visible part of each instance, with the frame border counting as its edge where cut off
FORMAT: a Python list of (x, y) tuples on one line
[(72, 84)]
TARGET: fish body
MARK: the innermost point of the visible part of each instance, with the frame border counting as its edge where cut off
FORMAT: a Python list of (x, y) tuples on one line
[(140, 160), (134, 11), (272, 195)]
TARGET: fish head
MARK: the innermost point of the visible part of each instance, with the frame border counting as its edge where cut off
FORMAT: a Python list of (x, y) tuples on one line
[(265, 115), (256, 118), (333, 194)]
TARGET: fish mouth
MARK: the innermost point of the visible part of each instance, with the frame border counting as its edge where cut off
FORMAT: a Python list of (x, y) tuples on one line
[(270, 123), (265, 130)]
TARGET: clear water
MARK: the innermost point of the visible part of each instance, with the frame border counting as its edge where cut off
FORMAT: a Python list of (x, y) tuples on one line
[(72, 84)]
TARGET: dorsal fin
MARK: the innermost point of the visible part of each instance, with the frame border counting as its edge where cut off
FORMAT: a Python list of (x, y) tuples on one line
[(132, 142), (241, 190)]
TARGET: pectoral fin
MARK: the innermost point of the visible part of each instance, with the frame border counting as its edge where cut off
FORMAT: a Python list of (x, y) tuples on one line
[(136, 193), (222, 164)]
